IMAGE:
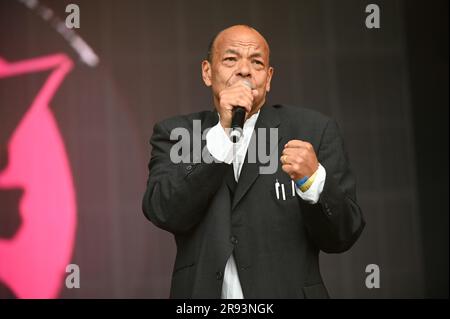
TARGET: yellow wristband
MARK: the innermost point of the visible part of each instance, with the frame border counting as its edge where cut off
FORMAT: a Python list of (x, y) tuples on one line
[(308, 183)]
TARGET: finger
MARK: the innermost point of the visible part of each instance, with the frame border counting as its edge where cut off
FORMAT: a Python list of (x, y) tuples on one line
[(297, 144), (240, 86), (288, 169), (291, 151), (246, 83), (238, 91), (296, 155), (285, 159), (235, 100), (244, 102), (245, 99), (247, 93)]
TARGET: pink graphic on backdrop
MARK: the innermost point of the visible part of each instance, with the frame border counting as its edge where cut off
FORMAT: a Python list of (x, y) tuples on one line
[(33, 261)]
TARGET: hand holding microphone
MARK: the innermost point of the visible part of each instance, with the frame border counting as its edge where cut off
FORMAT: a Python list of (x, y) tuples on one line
[(236, 102)]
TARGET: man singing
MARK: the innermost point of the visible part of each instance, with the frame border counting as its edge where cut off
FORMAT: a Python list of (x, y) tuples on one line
[(242, 231)]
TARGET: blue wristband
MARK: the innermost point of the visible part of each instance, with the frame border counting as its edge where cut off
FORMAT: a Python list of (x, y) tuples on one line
[(302, 181)]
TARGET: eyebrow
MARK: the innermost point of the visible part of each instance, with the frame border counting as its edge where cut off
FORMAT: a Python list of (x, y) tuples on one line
[(254, 55)]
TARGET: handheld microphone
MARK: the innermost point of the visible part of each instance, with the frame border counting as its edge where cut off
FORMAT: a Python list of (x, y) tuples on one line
[(237, 124), (238, 119)]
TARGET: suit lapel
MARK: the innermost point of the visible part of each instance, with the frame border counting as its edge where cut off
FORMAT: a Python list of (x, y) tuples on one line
[(210, 119), (268, 118)]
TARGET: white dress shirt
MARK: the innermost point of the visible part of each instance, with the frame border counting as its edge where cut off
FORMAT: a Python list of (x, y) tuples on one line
[(221, 148)]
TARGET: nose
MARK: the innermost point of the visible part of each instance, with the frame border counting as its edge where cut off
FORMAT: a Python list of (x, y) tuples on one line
[(244, 69)]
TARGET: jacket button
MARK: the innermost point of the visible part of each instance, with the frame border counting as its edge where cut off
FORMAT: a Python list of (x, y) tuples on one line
[(219, 275), (189, 167), (234, 240)]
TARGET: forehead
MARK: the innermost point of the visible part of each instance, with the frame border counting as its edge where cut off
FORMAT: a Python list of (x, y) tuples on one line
[(241, 39)]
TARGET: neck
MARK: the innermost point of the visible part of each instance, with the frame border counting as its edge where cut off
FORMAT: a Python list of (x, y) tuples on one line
[(256, 109)]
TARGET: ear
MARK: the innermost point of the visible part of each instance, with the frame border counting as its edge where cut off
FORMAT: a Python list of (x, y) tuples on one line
[(206, 72), (269, 78)]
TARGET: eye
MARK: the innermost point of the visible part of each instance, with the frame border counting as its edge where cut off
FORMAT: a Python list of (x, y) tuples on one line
[(230, 58), (258, 62)]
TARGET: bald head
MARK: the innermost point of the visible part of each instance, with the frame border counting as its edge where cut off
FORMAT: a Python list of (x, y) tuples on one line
[(238, 54), (232, 32)]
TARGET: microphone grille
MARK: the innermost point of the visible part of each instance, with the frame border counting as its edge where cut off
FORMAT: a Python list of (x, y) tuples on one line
[(248, 83)]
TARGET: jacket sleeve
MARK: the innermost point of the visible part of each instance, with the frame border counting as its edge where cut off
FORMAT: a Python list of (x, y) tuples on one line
[(335, 221), (177, 195)]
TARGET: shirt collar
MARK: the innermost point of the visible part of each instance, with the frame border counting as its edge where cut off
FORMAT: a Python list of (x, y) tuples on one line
[(250, 122)]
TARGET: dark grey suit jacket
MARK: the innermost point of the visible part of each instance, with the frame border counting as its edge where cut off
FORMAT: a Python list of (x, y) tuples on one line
[(275, 243)]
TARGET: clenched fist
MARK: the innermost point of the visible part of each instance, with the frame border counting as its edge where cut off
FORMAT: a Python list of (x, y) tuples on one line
[(239, 94), (299, 159)]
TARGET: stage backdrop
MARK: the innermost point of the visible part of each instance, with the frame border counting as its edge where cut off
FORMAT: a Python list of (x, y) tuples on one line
[(74, 134)]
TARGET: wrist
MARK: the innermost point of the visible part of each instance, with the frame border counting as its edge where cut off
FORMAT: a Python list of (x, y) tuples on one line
[(305, 183)]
